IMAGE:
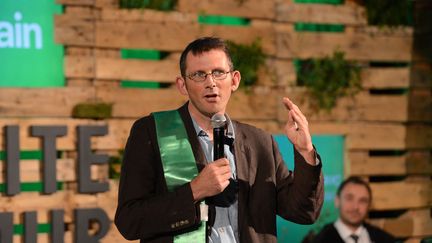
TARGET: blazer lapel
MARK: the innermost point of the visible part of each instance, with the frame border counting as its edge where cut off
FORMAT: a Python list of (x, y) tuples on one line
[(193, 138), (243, 166)]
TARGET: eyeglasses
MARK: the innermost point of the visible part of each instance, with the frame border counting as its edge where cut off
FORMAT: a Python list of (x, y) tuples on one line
[(201, 76)]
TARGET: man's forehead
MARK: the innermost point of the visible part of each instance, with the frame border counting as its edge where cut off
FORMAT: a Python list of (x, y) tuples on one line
[(192, 54), (195, 59), (352, 188)]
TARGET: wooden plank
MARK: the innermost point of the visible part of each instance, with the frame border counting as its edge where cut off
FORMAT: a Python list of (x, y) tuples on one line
[(321, 13), (71, 30), (79, 66), (114, 235), (414, 240), (145, 100), (279, 72), (140, 70), (45, 237), (76, 2), (174, 36), (414, 162), (362, 47), (259, 104), (400, 31), (419, 136), (121, 69), (107, 53), (43, 215), (364, 135), (78, 51), (243, 35), (384, 78), (105, 4), (387, 195), (362, 107), (82, 12), (248, 9), (37, 102), (364, 165), (32, 201), (419, 161), (118, 131), (78, 82), (31, 170), (421, 75), (148, 15), (413, 223), (243, 105), (141, 35), (420, 105)]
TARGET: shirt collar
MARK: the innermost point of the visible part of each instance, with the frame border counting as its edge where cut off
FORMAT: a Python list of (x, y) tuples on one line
[(201, 133), (344, 231)]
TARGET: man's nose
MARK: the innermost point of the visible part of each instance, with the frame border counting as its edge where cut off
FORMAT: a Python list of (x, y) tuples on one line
[(209, 80)]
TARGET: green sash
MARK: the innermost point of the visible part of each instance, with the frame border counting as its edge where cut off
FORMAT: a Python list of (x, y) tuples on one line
[(178, 161)]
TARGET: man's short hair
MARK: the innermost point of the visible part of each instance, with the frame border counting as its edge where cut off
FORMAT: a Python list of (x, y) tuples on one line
[(202, 45), (354, 180)]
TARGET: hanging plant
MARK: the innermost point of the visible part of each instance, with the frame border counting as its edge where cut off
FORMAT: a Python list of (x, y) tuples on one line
[(247, 59), (329, 79)]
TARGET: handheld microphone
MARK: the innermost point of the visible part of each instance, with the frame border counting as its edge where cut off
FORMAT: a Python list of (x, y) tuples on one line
[(218, 122), (229, 195)]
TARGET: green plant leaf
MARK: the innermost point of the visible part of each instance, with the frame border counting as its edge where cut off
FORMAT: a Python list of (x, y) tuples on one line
[(247, 59), (328, 79)]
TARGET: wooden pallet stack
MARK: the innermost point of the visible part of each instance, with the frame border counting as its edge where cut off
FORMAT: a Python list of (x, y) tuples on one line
[(388, 135)]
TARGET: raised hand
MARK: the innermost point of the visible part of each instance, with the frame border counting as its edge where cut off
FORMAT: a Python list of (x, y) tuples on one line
[(297, 131)]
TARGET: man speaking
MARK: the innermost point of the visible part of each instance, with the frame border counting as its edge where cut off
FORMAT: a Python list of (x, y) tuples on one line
[(173, 188)]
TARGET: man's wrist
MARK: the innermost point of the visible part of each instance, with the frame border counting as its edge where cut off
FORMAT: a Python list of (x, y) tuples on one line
[(309, 156)]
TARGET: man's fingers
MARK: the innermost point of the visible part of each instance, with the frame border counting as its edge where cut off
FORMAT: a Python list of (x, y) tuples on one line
[(288, 103), (221, 162), (290, 117)]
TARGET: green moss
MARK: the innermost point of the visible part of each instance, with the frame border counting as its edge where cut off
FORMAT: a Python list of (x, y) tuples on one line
[(247, 59), (329, 79), (114, 165), (390, 13), (163, 5), (92, 110)]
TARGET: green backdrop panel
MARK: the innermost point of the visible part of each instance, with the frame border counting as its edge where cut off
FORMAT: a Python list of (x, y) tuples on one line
[(331, 149), (28, 55)]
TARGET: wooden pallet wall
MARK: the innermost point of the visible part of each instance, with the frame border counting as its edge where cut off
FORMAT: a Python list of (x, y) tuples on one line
[(388, 135)]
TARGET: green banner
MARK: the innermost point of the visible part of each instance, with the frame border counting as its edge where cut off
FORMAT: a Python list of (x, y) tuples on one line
[(331, 150), (29, 57)]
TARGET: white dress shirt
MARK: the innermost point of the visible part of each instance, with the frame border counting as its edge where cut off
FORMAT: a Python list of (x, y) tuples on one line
[(345, 233)]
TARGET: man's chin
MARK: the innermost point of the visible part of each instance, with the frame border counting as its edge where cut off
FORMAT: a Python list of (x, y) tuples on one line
[(354, 223)]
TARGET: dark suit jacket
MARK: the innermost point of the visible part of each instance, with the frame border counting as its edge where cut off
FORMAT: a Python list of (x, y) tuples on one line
[(147, 211), (330, 234)]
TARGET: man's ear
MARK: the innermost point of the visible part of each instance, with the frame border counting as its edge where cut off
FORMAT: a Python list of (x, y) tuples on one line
[(181, 85), (337, 202), (235, 81)]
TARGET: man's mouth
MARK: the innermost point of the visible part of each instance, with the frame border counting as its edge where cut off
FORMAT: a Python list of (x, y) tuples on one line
[(211, 97)]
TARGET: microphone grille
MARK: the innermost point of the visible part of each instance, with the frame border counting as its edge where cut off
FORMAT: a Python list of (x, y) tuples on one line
[(218, 120)]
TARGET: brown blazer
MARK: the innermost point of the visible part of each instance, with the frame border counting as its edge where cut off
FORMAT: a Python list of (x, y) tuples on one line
[(147, 211)]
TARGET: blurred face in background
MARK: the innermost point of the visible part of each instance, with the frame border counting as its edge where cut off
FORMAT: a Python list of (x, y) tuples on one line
[(353, 204), (211, 95)]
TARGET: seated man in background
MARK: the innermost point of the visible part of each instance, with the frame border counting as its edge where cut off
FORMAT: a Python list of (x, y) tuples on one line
[(353, 200)]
